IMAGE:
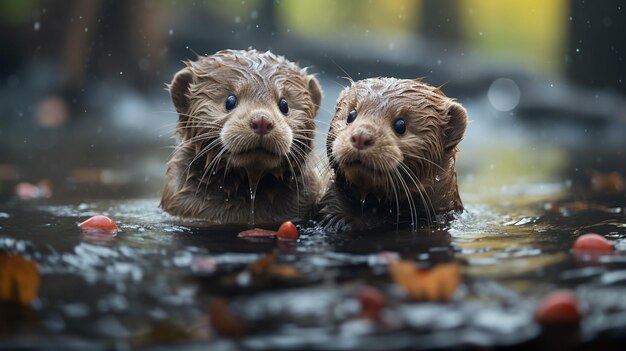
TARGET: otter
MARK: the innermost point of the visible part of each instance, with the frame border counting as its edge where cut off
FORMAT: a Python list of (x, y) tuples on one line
[(392, 147), (245, 130)]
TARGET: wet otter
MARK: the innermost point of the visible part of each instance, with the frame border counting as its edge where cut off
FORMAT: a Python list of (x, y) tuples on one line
[(392, 146), (246, 126)]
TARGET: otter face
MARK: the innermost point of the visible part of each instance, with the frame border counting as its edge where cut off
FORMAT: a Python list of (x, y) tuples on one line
[(246, 109), (394, 136)]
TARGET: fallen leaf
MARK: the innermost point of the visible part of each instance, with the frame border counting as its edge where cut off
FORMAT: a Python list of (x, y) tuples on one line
[(204, 264), (267, 266), (223, 321), (435, 284), (256, 233), (284, 271), (19, 279), (163, 332), (372, 303), (607, 182), (262, 265)]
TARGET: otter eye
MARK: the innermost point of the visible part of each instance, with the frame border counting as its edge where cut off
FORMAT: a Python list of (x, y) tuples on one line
[(231, 102), (399, 126), (283, 106), (351, 116)]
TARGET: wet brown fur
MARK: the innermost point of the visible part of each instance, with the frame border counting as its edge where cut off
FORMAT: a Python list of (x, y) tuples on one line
[(400, 177), (219, 158)]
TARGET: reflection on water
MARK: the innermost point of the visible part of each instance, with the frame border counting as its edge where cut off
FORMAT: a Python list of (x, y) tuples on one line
[(152, 282)]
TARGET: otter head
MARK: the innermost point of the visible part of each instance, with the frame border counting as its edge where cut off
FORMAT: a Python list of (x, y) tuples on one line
[(394, 137), (246, 110)]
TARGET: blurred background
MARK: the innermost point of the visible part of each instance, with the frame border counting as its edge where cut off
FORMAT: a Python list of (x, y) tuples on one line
[(84, 113)]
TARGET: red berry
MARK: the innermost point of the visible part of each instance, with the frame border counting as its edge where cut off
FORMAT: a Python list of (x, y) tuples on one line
[(559, 308), (592, 242), (99, 222), (287, 231)]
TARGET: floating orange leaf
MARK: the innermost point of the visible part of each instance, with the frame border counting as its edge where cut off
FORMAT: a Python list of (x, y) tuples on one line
[(267, 266), (19, 279), (607, 182), (435, 284), (284, 271), (223, 321), (262, 265), (256, 233)]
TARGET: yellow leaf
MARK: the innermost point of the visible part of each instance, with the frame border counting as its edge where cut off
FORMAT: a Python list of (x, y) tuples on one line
[(435, 284), (19, 279)]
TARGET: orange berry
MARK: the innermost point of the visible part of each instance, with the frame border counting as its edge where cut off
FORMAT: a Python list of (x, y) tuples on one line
[(592, 242), (559, 308), (288, 231), (372, 302)]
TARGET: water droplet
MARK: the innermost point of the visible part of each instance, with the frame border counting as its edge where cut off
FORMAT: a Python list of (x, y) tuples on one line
[(437, 178), (214, 172), (171, 32), (254, 15), (121, 73), (86, 29), (237, 19), (577, 50), (36, 26)]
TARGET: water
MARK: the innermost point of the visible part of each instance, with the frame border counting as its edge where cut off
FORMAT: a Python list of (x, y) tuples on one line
[(151, 283), (527, 192), (253, 180)]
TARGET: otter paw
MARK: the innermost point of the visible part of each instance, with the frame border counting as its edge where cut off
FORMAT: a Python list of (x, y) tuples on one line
[(342, 224)]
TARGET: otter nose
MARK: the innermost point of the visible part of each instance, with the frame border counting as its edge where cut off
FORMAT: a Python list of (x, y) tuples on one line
[(261, 124), (362, 140)]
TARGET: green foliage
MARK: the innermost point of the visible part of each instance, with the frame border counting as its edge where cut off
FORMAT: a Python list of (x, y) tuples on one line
[(16, 12)]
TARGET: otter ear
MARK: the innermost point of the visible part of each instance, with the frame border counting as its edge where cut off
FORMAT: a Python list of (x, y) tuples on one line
[(454, 130), (315, 90), (179, 90)]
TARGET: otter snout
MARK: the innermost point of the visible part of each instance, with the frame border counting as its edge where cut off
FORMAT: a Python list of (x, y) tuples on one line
[(362, 140), (261, 124)]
